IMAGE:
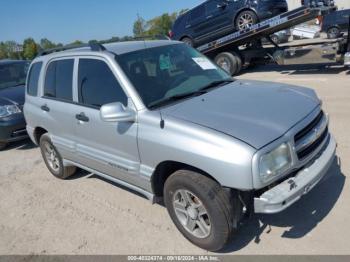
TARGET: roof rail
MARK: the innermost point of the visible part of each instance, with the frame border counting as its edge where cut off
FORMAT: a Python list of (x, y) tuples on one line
[(98, 46), (152, 37), (94, 46)]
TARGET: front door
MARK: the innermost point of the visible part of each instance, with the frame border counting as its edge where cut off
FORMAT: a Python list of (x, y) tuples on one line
[(107, 147)]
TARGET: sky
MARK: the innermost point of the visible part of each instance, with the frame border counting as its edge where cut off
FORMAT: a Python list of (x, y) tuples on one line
[(65, 21)]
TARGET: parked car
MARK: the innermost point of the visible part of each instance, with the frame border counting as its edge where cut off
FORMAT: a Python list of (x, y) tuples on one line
[(306, 31), (215, 18), (161, 119), (335, 23), (279, 37), (12, 81), (317, 3)]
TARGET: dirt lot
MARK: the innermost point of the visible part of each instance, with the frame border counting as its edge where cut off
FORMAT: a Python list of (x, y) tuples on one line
[(86, 215)]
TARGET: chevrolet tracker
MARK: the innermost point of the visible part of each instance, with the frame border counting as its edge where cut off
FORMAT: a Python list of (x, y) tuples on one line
[(161, 119)]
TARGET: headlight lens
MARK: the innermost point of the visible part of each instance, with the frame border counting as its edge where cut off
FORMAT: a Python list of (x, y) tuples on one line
[(275, 162), (8, 110)]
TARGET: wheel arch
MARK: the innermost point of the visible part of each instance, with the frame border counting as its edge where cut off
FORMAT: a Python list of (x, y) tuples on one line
[(165, 169), (38, 132), (242, 10)]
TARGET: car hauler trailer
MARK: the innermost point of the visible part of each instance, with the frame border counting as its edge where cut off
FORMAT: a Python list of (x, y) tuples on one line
[(244, 48)]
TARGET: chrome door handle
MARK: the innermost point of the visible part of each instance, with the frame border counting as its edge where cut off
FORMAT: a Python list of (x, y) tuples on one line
[(82, 117), (45, 108)]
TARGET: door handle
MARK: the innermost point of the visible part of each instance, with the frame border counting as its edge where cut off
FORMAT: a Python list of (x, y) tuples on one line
[(82, 117), (188, 26), (209, 16), (45, 108)]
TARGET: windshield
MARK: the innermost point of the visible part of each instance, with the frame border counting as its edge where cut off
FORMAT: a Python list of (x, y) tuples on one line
[(171, 71), (13, 74)]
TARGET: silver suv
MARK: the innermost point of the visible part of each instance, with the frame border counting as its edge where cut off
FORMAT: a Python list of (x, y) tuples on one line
[(161, 119)]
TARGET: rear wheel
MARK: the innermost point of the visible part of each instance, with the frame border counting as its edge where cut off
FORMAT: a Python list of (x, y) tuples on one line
[(333, 32), (245, 20), (2, 145), (53, 159), (231, 62), (188, 41), (201, 209)]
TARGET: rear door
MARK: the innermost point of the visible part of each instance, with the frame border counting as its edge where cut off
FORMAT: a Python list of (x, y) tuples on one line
[(197, 20), (57, 107), (107, 147)]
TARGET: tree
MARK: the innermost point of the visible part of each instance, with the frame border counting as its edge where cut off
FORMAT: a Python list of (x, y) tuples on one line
[(47, 44), (161, 25), (139, 27), (30, 49), (3, 50), (76, 42)]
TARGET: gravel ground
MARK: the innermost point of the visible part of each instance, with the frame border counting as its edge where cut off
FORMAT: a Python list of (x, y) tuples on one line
[(86, 215)]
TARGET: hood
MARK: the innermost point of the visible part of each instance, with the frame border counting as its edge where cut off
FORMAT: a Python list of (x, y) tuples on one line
[(252, 111), (14, 95)]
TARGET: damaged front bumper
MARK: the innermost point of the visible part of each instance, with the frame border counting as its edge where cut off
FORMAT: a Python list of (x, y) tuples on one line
[(289, 191)]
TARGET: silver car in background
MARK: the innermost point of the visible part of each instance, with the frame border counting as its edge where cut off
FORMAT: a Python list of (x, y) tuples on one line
[(161, 119)]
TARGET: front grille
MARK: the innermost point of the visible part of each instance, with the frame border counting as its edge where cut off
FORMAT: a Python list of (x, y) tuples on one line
[(308, 150), (311, 137)]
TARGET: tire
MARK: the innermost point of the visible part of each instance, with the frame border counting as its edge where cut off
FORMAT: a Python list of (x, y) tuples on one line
[(2, 145), (55, 165), (245, 19), (333, 33), (188, 41), (231, 62), (221, 210), (275, 39)]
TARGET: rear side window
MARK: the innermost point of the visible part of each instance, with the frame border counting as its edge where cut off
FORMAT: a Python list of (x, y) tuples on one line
[(59, 80), (33, 79), (197, 12), (97, 84)]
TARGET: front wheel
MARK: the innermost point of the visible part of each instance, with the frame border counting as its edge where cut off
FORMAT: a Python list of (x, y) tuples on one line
[(201, 209), (245, 20)]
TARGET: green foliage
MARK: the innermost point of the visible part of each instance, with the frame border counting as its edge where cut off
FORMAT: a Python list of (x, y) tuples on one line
[(160, 25), (30, 49), (47, 44), (139, 27)]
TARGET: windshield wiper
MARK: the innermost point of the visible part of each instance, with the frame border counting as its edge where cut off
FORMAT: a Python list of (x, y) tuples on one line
[(216, 84), (201, 91), (174, 98)]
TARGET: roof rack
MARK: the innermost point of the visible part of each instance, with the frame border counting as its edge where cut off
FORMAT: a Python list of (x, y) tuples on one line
[(98, 46), (94, 46)]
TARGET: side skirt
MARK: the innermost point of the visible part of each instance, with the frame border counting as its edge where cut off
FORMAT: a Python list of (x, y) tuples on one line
[(143, 192)]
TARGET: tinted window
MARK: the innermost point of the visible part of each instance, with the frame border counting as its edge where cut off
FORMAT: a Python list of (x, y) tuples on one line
[(13, 74), (163, 72), (59, 79), (197, 12), (98, 85), (34, 78)]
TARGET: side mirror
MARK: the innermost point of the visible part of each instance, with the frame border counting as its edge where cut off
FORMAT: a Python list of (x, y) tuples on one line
[(117, 112)]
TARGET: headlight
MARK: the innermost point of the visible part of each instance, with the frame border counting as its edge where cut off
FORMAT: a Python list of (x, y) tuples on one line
[(8, 110), (275, 162)]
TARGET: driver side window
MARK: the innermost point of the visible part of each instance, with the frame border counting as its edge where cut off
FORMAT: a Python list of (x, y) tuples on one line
[(97, 84)]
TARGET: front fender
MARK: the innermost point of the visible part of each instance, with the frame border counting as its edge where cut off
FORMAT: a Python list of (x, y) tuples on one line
[(225, 158)]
